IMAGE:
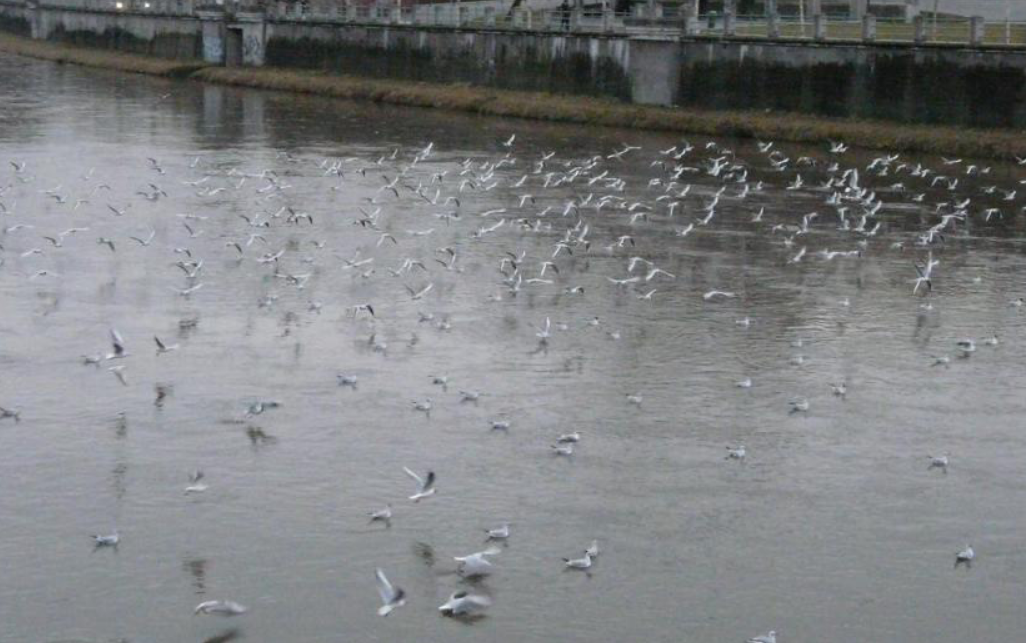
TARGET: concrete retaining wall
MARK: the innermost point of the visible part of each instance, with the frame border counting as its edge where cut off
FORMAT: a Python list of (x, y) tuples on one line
[(949, 85), (593, 65), (163, 36)]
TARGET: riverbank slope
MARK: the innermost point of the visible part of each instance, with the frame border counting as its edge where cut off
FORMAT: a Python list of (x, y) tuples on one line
[(890, 136)]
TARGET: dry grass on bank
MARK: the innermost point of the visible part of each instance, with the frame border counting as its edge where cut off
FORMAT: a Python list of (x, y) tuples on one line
[(104, 58), (1004, 144)]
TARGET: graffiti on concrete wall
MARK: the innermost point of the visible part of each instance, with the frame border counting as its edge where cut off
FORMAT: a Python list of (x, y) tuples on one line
[(252, 49), (213, 49)]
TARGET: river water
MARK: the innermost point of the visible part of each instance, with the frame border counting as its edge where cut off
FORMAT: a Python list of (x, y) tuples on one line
[(832, 529)]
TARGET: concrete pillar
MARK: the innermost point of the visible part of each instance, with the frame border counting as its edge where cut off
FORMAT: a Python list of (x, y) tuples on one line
[(911, 10), (254, 37), (773, 25), (976, 30), (692, 26), (869, 27), (34, 13), (654, 71), (212, 33), (730, 23), (918, 29), (770, 7), (856, 9), (819, 26), (815, 7)]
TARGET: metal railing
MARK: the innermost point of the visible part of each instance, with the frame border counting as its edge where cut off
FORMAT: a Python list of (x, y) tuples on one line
[(651, 18), (458, 15)]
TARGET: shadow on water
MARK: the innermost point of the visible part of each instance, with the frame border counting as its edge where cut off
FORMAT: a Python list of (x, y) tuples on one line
[(232, 634)]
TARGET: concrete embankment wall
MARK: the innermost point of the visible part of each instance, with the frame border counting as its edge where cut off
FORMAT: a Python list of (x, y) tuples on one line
[(155, 33), (591, 65), (926, 84), (166, 36), (969, 86)]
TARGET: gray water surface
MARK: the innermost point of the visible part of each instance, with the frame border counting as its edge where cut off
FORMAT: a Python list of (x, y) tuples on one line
[(833, 529)]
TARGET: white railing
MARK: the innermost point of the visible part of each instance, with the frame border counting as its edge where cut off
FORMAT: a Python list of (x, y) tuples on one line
[(650, 18)]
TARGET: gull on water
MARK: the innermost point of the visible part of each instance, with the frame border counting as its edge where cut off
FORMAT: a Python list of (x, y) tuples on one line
[(712, 294), (570, 437), (383, 515), (498, 533), (220, 608), (770, 637), (256, 408), (563, 449), (107, 540), (966, 556), (477, 564), (195, 486), (736, 453), (464, 603), (584, 562)]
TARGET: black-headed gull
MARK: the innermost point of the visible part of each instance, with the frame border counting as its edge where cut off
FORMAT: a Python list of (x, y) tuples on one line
[(476, 564), (391, 596), (583, 562), (770, 637), (462, 603), (425, 485)]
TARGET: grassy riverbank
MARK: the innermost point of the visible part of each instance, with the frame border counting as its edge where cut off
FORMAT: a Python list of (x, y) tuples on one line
[(895, 137), (1003, 144)]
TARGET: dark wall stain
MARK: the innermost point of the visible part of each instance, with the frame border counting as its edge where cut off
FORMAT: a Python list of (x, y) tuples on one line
[(903, 85), (508, 62)]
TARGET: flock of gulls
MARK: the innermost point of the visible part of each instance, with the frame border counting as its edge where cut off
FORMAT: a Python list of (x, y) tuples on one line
[(691, 185)]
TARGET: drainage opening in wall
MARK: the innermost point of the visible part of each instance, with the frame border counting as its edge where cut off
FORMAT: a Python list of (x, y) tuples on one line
[(233, 47)]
